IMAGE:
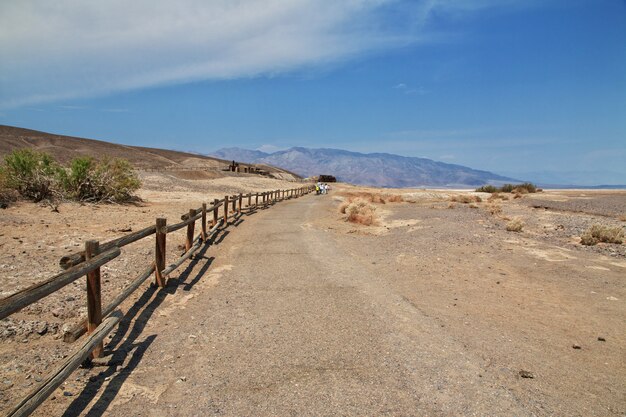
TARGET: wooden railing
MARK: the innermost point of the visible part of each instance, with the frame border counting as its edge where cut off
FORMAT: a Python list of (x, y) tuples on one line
[(100, 321)]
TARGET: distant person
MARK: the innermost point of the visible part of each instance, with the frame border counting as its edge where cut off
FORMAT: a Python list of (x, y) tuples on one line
[(317, 188)]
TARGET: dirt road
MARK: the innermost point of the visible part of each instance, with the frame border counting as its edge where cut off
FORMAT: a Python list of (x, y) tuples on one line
[(293, 312)]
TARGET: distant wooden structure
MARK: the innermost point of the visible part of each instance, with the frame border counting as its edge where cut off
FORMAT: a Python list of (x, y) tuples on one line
[(326, 178), (245, 168)]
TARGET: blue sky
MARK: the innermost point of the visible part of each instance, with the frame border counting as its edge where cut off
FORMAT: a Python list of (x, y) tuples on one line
[(532, 89)]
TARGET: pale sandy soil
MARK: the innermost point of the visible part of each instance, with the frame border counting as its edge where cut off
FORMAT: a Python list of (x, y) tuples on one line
[(33, 238), (503, 302)]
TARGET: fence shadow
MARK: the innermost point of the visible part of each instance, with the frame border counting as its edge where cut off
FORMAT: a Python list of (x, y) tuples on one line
[(126, 352)]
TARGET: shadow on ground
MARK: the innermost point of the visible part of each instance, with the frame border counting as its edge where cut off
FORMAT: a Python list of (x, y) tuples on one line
[(125, 348)]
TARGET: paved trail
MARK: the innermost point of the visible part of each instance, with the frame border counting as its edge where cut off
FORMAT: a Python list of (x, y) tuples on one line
[(284, 322)]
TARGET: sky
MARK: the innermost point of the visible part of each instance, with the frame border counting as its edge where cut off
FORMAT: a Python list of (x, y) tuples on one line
[(533, 89)]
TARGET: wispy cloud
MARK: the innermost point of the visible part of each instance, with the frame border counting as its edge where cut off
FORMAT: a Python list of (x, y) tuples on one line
[(68, 49)]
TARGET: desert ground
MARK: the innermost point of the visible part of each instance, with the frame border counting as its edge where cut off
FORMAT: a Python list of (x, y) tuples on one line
[(433, 309)]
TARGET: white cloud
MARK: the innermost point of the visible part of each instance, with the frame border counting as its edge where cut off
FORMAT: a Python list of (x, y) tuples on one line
[(70, 48)]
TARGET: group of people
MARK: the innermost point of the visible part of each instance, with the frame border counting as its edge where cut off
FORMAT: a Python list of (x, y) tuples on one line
[(321, 188)]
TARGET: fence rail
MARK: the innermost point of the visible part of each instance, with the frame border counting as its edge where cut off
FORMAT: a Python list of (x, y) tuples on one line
[(100, 321)]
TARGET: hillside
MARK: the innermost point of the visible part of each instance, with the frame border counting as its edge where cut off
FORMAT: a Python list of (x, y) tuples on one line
[(64, 148), (375, 169)]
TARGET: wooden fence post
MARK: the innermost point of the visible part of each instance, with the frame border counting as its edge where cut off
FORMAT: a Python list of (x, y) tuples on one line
[(190, 229), (240, 202), (225, 210), (159, 251), (204, 222), (234, 205), (256, 200), (214, 212), (249, 200), (94, 297)]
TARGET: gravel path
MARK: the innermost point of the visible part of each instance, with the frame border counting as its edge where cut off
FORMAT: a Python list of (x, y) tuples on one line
[(293, 312)]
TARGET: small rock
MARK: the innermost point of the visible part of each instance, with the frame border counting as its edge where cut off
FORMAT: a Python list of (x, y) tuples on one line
[(67, 394), (526, 374), (182, 378), (576, 346), (601, 339), (42, 329)]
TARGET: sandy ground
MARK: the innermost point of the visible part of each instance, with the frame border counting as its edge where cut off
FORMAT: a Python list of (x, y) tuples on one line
[(435, 311)]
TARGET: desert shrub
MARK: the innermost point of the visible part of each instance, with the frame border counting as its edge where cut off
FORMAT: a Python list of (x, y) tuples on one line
[(598, 233), (34, 175), (494, 208), (515, 225), (360, 211), (472, 205), (108, 180), (497, 196), (623, 217), (7, 195), (376, 198), (530, 188), (466, 199), (451, 205), (487, 189), (394, 198), (524, 188)]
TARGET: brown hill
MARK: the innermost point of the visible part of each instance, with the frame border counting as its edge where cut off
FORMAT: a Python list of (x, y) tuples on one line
[(65, 148)]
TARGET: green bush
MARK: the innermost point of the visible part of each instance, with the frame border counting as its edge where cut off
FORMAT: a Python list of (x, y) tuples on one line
[(108, 180), (487, 189), (509, 188), (531, 188), (37, 176), (32, 174)]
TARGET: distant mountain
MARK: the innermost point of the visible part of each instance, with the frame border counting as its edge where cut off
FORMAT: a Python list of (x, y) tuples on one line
[(240, 154), (376, 169)]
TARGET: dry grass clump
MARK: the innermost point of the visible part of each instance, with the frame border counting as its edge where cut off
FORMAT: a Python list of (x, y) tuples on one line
[(498, 196), (494, 208), (598, 233), (394, 198), (451, 206), (360, 211), (515, 225), (376, 198), (623, 217), (466, 199)]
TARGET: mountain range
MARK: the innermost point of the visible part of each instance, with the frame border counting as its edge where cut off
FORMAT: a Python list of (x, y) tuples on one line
[(374, 169)]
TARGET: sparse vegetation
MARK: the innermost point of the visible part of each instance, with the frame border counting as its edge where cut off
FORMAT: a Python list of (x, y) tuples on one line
[(109, 180), (38, 177), (494, 208), (359, 210), (524, 188), (466, 199), (598, 233), (34, 175), (515, 225), (376, 198), (497, 196), (487, 189)]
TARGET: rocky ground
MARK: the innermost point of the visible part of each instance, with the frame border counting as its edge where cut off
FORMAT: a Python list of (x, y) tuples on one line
[(530, 322)]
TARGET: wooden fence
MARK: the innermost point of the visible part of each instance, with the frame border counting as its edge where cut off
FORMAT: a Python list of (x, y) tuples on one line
[(101, 320)]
